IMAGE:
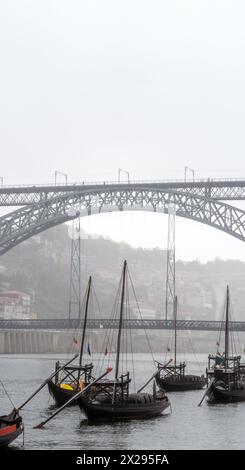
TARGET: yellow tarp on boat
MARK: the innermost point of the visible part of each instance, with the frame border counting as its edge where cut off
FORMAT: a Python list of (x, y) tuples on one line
[(66, 386)]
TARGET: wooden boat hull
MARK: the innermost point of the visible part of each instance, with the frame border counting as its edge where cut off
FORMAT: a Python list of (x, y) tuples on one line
[(184, 385), (10, 428), (61, 395), (121, 411), (219, 394), (10, 437)]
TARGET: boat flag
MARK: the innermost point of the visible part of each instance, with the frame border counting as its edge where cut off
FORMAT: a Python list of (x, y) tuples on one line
[(89, 352)]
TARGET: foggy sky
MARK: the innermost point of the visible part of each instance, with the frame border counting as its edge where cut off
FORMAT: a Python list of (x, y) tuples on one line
[(88, 87)]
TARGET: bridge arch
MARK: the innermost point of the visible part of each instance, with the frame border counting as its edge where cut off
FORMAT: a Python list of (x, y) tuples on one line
[(27, 221)]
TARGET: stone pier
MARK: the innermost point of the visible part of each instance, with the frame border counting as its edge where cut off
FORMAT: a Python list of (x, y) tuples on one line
[(34, 341)]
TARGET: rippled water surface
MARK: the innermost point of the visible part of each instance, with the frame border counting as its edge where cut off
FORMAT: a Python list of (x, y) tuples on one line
[(187, 427)]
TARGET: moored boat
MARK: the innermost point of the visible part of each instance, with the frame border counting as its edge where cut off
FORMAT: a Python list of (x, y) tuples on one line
[(226, 392), (225, 373), (134, 406), (74, 377), (172, 378), (116, 402), (66, 383), (62, 389), (11, 426)]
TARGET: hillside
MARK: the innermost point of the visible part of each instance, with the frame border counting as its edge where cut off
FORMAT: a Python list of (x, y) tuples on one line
[(41, 266)]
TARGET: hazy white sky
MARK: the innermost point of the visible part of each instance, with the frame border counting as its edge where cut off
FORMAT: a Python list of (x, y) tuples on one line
[(147, 86)]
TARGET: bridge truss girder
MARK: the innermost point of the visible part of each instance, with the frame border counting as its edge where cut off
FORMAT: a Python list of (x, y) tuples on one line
[(209, 189), (106, 323), (25, 222)]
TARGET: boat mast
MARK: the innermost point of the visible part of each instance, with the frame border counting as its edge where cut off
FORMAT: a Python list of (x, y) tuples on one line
[(120, 321), (227, 328), (175, 332), (85, 321)]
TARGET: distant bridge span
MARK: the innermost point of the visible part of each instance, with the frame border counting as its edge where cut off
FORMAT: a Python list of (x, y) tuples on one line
[(60, 207), (65, 324)]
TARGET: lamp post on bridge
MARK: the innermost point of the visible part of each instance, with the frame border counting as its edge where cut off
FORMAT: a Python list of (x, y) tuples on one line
[(59, 173), (119, 174), (192, 171)]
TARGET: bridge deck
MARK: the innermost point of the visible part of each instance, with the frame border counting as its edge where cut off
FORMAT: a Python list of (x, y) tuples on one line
[(65, 324)]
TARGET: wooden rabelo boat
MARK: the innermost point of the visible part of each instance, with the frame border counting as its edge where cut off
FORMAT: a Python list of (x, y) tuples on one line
[(74, 377), (113, 401), (173, 378), (11, 426), (225, 373)]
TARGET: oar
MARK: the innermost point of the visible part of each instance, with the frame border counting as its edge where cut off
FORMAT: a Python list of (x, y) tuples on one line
[(46, 381), (152, 377), (40, 425), (211, 383)]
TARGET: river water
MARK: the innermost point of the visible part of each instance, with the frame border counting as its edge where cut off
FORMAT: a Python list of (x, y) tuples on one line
[(187, 427)]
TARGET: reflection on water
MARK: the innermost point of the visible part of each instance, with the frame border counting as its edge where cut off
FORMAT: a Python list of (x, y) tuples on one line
[(187, 427)]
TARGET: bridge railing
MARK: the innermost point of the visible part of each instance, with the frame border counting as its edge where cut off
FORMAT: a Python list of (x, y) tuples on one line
[(122, 182)]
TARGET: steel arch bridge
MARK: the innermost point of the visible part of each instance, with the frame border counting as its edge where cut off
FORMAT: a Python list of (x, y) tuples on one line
[(57, 206)]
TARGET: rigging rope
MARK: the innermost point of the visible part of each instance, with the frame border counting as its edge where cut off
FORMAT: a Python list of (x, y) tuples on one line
[(7, 394), (190, 342), (110, 333), (147, 338)]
